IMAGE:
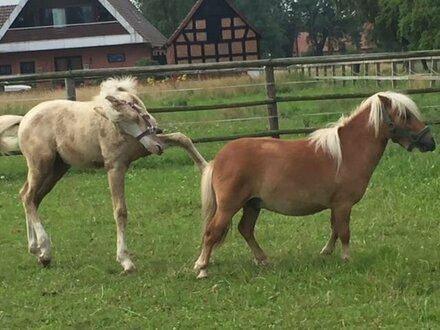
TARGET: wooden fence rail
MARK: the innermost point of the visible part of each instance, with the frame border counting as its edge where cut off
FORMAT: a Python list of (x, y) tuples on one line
[(269, 66)]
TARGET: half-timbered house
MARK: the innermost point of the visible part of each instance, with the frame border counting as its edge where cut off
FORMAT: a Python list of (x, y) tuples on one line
[(213, 31)]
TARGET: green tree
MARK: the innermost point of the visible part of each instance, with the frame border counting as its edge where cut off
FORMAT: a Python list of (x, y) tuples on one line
[(165, 15), (419, 24), (326, 21), (270, 19)]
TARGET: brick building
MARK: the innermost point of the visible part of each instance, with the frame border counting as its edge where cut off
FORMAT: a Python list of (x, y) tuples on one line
[(213, 31), (58, 35)]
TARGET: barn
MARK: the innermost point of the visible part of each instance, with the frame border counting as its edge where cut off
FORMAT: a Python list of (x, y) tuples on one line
[(213, 31), (58, 35)]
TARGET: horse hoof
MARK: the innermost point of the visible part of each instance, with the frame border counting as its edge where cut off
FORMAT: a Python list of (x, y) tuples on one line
[(202, 274), (326, 252), (44, 262), (34, 250), (129, 267), (262, 262)]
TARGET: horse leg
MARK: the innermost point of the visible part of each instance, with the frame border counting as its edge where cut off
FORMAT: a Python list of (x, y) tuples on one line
[(59, 169), (38, 240), (330, 245), (184, 142), (31, 235), (342, 225), (116, 178), (214, 232), (246, 228)]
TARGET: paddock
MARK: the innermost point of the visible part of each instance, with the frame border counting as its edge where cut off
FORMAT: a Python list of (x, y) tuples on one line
[(391, 280)]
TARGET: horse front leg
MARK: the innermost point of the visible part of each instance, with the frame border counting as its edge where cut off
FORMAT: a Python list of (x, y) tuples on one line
[(116, 179), (184, 142)]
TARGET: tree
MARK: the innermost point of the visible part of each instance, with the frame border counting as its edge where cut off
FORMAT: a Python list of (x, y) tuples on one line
[(270, 19), (165, 15), (419, 24), (327, 21)]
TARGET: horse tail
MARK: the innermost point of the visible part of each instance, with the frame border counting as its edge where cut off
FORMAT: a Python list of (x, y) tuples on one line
[(9, 143), (209, 203)]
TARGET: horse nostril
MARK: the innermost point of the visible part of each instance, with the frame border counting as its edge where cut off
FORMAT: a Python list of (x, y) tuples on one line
[(159, 130)]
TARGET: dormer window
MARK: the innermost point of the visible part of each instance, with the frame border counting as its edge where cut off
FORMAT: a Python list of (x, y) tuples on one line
[(36, 15)]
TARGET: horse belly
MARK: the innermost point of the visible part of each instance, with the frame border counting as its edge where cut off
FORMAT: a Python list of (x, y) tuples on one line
[(290, 205), (74, 155)]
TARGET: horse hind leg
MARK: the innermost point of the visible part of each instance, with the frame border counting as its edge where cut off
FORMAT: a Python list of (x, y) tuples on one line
[(329, 247), (215, 232), (31, 235), (59, 169), (246, 228), (38, 240)]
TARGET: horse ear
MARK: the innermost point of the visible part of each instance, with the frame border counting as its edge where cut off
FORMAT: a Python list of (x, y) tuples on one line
[(385, 101), (113, 100)]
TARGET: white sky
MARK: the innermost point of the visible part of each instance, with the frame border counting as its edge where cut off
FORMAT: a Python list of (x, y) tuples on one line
[(8, 2)]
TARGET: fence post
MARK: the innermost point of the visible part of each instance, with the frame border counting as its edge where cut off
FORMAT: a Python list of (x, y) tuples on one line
[(333, 74), (343, 75), (434, 65), (393, 74), (70, 88), (272, 95), (378, 74)]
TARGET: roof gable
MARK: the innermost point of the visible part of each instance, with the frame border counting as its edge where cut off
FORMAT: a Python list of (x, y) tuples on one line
[(124, 11), (194, 11)]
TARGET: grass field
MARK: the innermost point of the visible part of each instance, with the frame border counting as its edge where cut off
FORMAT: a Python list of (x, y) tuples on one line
[(392, 281)]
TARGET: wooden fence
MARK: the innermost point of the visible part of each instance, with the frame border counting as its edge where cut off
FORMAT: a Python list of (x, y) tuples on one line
[(268, 65)]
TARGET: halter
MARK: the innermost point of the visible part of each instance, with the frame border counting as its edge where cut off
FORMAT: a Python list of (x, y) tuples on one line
[(146, 118), (414, 139)]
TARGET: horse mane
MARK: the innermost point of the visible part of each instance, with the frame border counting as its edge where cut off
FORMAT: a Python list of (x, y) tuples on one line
[(123, 87), (328, 139)]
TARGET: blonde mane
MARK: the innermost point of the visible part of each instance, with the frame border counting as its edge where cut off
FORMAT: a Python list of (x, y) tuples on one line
[(328, 139), (122, 87)]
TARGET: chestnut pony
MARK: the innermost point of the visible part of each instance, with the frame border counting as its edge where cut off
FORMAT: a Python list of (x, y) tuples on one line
[(328, 170)]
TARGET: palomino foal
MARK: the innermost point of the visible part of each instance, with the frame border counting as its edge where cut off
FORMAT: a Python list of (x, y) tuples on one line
[(329, 170), (110, 132)]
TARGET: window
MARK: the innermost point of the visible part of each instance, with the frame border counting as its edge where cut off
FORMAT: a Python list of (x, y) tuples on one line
[(27, 67), (68, 63), (59, 16), (116, 58), (5, 69), (78, 15), (40, 14), (104, 15)]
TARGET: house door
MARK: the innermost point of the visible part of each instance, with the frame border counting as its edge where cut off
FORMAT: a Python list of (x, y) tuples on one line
[(68, 63)]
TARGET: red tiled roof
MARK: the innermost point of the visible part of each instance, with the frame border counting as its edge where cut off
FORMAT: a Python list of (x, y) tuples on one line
[(139, 22)]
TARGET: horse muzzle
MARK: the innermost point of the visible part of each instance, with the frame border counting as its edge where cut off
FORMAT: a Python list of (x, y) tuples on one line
[(427, 144)]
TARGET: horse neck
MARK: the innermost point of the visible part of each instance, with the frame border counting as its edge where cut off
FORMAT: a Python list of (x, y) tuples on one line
[(361, 148)]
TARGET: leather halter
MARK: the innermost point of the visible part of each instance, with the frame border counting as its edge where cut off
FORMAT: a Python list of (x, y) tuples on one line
[(395, 131), (150, 130)]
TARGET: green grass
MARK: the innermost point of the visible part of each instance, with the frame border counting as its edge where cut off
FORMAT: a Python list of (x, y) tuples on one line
[(391, 282)]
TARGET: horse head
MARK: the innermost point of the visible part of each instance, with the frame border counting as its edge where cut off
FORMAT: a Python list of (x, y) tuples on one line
[(129, 114), (405, 126)]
